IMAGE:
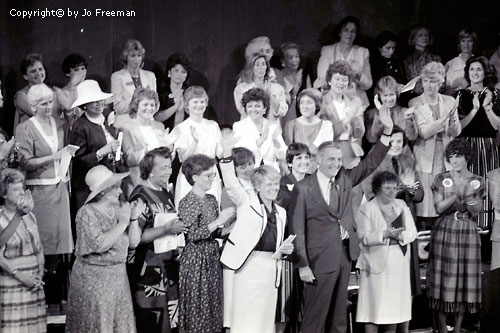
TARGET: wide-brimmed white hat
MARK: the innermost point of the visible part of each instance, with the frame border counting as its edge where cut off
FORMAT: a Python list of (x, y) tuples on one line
[(100, 178), (89, 91)]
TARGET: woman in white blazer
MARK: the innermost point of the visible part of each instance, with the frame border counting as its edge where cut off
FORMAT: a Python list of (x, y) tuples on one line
[(437, 120), (257, 234), (385, 228), (126, 80)]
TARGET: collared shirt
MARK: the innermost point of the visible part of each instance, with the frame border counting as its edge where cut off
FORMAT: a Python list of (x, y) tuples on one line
[(100, 121), (325, 185)]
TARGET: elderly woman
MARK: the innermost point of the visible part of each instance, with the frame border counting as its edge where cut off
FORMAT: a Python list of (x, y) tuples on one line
[(42, 140), (479, 113), (345, 112), (454, 268), (200, 278), (33, 71), (143, 133), (293, 77), (257, 133), (385, 228), (195, 135), (256, 75), (172, 110), (154, 265), (21, 259), (455, 75), (309, 129), (131, 77), (386, 95), (356, 56), (99, 295), (96, 139), (385, 62), (258, 233), (437, 120), (74, 67)]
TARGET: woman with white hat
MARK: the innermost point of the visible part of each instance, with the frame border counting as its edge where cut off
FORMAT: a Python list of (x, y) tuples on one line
[(96, 139), (42, 140), (99, 295)]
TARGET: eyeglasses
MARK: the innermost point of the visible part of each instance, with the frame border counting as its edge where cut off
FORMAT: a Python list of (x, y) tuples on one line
[(210, 176)]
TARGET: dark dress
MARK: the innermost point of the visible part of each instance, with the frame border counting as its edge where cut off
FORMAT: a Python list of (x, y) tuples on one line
[(200, 281), (154, 271), (481, 136), (387, 67), (454, 269)]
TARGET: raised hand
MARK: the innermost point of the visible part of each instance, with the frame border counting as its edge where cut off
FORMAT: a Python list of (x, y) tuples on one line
[(385, 119), (137, 207), (25, 203), (409, 113), (228, 142), (6, 147), (475, 102), (124, 212), (488, 97), (377, 102)]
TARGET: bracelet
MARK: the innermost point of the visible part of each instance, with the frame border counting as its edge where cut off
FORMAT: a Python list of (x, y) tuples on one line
[(13, 273), (226, 159)]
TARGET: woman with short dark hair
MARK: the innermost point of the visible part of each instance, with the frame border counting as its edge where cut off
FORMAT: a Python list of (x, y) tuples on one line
[(454, 268), (172, 108), (200, 276)]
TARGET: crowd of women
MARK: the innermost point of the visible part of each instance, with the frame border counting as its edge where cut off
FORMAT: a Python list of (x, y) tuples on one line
[(168, 221)]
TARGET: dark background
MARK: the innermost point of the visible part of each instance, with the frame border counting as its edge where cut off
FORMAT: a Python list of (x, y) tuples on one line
[(213, 34)]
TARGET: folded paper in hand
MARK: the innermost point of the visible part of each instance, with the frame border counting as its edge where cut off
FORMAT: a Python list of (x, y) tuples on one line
[(287, 242), (67, 154), (167, 242)]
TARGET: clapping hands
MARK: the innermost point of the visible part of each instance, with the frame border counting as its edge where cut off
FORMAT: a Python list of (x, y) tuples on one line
[(25, 203)]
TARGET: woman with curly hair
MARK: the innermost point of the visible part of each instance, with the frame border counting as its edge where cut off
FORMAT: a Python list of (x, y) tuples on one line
[(454, 269), (345, 112), (256, 132), (479, 113)]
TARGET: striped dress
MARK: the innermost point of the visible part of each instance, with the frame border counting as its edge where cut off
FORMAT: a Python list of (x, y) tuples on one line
[(454, 269), (21, 310)]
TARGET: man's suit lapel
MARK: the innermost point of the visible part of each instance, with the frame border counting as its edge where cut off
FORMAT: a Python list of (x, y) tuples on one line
[(315, 192)]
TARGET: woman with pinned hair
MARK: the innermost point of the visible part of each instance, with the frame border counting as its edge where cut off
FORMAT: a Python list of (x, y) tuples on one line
[(74, 67), (437, 120), (345, 112), (455, 74), (200, 276), (99, 295), (454, 267), (33, 71), (479, 114), (172, 109), (356, 56), (385, 62), (257, 234), (143, 133), (131, 77), (21, 259), (42, 140), (386, 104), (195, 135), (309, 129), (292, 76), (256, 132), (385, 228), (256, 75)]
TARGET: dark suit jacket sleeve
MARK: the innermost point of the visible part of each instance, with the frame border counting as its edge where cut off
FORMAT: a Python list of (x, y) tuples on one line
[(80, 136), (369, 164), (297, 223)]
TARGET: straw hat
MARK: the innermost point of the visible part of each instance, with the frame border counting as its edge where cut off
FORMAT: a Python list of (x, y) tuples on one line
[(100, 178), (89, 91)]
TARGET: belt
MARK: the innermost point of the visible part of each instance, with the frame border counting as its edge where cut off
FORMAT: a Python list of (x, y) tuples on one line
[(461, 215)]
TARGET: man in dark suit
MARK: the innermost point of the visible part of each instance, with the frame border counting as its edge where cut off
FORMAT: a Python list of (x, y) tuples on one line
[(321, 216)]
